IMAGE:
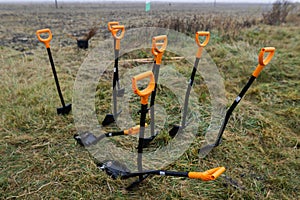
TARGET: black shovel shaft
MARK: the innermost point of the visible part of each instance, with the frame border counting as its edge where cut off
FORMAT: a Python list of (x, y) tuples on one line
[(232, 107), (116, 69), (116, 66), (155, 71), (188, 91), (194, 71), (55, 77), (91, 139), (144, 111), (115, 82), (156, 172), (112, 134), (109, 134)]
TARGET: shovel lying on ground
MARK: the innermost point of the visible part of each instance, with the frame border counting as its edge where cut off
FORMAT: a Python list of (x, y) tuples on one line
[(262, 62), (116, 170), (65, 109), (87, 139)]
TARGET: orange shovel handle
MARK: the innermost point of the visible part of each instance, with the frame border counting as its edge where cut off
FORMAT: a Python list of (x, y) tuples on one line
[(200, 44), (158, 48), (144, 94), (162, 45), (262, 61), (46, 41), (206, 34), (110, 24), (116, 29), (208, 175)]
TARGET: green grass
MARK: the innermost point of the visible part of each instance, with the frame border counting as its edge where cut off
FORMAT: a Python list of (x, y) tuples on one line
[(260, 148)]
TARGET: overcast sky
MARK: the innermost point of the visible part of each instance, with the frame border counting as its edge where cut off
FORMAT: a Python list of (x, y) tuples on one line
[(203, 1)]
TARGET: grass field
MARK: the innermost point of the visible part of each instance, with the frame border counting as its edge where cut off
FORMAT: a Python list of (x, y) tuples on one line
[(260, 148)]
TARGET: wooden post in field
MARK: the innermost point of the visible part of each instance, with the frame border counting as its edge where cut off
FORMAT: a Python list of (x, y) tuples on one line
[(56, 4)]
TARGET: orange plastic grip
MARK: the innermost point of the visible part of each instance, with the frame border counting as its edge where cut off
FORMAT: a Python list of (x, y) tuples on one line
[(116, 29), (208, 175), (158, 48), (163, 45), (206, 34), (110, 24), (46, 41), (202, 33), (262, 62), (144, 94), (133, 130)]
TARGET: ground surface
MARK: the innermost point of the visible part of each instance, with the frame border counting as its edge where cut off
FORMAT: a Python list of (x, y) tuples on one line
[(41, 160)]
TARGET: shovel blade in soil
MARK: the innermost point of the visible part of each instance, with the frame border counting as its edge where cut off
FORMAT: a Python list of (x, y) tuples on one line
[(205, 150), (109, 118), (64, 110), (137, 182), (147, 141), (121, 92), (173, 132)]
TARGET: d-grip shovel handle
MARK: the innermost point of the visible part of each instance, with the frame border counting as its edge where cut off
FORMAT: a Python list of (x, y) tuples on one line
[(162, 46), (205, 34), (46, 41), (208, 175), (158, 48), (144, 94), (114, 28), (110, 24), (262, 62)]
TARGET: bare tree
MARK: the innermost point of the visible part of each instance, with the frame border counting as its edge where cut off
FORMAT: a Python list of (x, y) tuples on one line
[(56, 4)]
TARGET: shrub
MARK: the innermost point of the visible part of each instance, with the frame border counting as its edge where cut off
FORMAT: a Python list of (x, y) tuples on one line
[(279, 13)]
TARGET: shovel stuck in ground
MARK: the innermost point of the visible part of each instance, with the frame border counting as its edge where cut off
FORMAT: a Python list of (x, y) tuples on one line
[(65, 109)]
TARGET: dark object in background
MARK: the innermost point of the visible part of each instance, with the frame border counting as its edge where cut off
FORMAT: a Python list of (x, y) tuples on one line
[(83, 44)]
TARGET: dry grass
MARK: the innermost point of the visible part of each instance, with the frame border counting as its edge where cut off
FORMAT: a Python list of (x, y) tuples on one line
[(40, 159)]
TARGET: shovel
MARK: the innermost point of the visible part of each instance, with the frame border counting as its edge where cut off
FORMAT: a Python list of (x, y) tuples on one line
[(144, 94), (158, 49), (115, 28), (87, 139), (262, 62), (65, 109), (117, 170), (176, 128)]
